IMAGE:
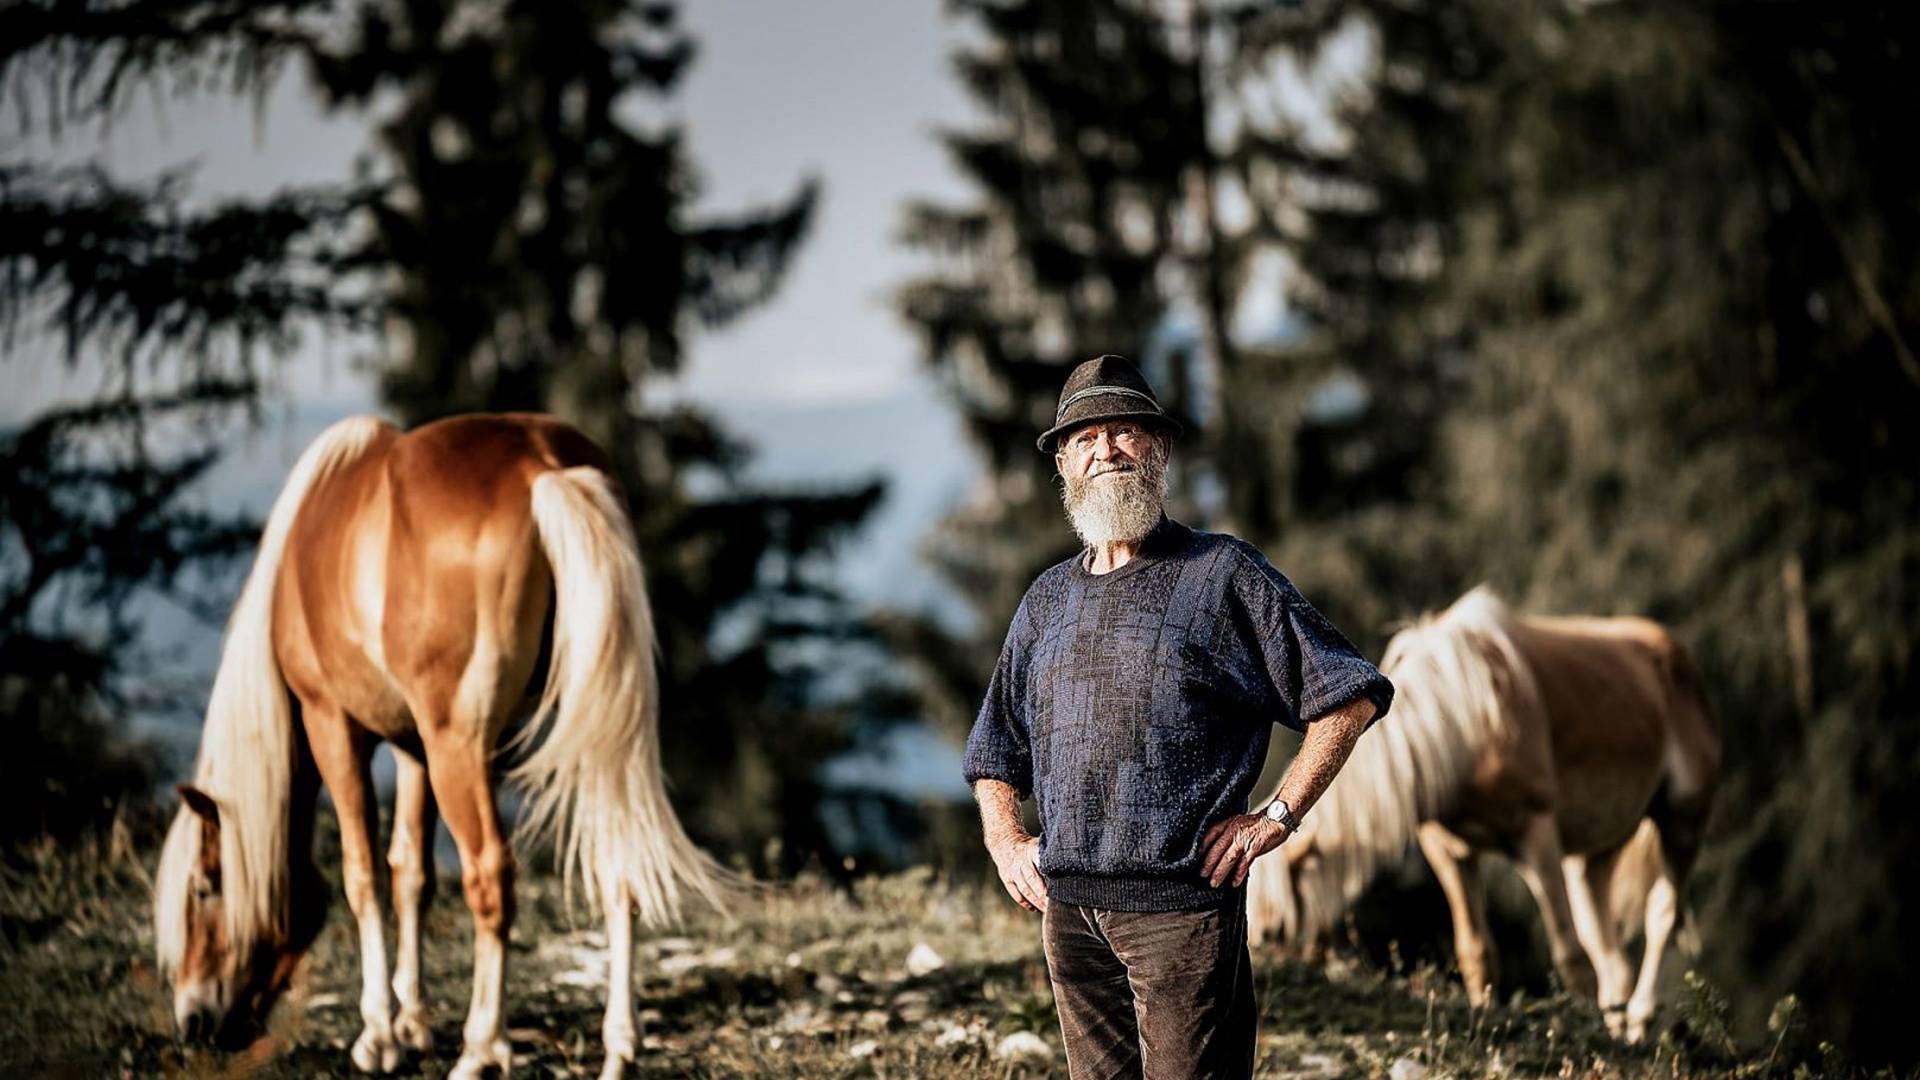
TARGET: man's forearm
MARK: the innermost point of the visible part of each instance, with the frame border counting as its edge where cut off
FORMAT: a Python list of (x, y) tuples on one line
[(999, 812), (1323, 750)]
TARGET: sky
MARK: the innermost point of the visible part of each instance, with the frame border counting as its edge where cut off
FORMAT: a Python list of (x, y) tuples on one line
[(825, 382)]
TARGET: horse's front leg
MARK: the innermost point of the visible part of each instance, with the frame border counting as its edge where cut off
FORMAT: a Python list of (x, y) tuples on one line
[(1539, 862), (457, 763), (341, 751), (1457, 867), (410, 857)]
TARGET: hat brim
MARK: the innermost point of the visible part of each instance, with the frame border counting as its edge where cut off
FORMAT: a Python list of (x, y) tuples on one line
[(1048, 439)]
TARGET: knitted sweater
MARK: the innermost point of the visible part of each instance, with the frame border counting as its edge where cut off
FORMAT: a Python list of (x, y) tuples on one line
[(1135, 707)]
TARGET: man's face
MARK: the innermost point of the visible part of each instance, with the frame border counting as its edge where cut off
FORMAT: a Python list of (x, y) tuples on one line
[(1114, 480)]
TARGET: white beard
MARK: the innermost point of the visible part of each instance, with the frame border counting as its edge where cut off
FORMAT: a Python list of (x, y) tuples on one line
[(1117, 507)]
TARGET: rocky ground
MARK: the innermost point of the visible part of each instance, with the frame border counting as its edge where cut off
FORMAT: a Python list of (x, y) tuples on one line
[(904, 976)]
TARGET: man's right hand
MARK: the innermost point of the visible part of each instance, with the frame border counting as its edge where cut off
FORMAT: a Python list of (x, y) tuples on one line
[(1018, 861)]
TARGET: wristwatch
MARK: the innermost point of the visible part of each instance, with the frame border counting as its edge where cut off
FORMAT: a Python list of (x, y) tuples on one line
[(1279, 811)]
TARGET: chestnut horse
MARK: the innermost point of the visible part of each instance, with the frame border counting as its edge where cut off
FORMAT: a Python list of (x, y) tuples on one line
[(1581, 748), (402, 591)]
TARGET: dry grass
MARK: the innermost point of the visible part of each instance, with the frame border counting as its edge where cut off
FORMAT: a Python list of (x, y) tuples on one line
[(810, 982)]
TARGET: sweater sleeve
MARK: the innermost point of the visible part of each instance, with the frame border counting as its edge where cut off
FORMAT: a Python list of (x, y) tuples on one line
[(1311, 664), (997, 749)]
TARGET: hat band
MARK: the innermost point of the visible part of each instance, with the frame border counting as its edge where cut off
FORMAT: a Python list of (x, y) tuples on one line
[(1061, 413)]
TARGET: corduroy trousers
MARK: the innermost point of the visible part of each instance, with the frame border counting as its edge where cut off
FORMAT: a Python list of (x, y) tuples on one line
[(1155, 995)]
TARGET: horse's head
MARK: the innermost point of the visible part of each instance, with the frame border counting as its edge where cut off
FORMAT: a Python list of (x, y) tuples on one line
[(1279, 896), (222, 991)]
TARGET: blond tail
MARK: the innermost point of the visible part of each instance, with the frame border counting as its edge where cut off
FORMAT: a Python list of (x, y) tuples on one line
[(592, 777)]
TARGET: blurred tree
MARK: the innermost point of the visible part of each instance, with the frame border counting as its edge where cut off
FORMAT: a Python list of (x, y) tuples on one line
[(1350, 167), (96, 517), (1068, 251), (1648, 275), (89, 526), (524, 243)]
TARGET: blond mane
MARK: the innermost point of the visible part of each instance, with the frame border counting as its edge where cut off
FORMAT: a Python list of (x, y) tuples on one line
[(1459, 681), (246, 745)]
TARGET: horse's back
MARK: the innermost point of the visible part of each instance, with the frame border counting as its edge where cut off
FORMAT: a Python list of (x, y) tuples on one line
[(1606, 685), (421, 562)]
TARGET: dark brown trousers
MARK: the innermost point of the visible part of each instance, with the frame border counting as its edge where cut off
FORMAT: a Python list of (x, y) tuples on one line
[(1152, 994)]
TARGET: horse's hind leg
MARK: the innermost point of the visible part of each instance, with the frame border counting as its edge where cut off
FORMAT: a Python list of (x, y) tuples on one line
[(458, 752), (1539, 862), (1681, 822), (1589, 880), (341, 751), (410, 857), (618, 1030)]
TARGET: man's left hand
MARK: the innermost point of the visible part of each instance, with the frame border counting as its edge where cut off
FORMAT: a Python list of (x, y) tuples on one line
[(1233, 844)]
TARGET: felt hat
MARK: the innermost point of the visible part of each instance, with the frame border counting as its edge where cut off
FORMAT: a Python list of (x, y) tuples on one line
[(1105, 388)]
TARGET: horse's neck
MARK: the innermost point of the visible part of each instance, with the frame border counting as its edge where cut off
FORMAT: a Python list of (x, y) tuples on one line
[(1364, 821)]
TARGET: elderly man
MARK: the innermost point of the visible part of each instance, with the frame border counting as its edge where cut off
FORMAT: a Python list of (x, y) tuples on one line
[(1133, 700)]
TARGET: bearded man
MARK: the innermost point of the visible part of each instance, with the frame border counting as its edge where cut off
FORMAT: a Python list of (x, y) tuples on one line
[(1134, 700)]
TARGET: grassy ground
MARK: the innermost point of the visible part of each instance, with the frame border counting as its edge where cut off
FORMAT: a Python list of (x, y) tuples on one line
[(811, 982)]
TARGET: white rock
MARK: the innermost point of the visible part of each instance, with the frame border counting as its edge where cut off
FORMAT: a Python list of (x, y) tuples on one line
[(924, 961), (680, 963), (863, 1049), (1319, 1063), (1023, 1044), (953, 1036), (1407, 1069)]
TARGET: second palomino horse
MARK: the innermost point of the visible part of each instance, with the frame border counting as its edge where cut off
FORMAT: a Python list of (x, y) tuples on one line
[(402, 590), (1582, 748)]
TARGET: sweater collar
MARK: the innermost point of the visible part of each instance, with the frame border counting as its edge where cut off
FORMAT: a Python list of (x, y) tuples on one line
[(1168, 537)]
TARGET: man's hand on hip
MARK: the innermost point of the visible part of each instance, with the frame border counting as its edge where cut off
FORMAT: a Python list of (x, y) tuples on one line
[(1232, 845), (1018, 860), (1015, 854)]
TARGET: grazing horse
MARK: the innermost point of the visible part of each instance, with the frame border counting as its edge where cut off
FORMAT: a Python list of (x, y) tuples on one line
[(1581, 748), (403, 590)]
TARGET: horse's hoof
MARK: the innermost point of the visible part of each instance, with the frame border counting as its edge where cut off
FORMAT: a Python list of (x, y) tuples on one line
[(476, 1060), (411, 1031), (375, 1051), (622, 1041), (1616, 1020)]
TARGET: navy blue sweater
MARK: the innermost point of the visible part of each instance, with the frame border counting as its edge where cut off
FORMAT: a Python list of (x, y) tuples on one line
[(1136, 706)]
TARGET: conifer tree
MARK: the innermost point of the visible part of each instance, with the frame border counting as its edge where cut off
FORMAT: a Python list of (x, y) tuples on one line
[(1063, 254)]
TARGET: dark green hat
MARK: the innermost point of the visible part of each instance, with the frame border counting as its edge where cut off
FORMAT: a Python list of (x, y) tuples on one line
[(1105, 388)]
